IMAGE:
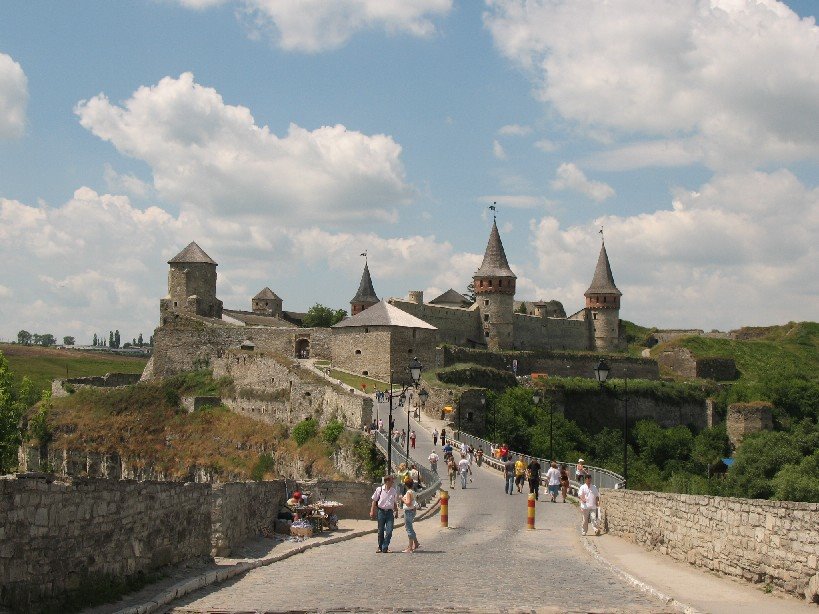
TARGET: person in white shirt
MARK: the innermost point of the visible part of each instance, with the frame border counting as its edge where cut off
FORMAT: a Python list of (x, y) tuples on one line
[(464, 470), (385, 504), (553, 480), (433, 461), (589, 500)]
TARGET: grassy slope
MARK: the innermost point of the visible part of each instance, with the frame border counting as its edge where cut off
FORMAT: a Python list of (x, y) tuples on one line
[(791, 348), (44, 364), (142, 422)]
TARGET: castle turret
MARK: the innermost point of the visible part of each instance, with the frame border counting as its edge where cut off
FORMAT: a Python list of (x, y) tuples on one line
[(365, 297), (603, 305), (267, 303), (494, 284), (191, 285)]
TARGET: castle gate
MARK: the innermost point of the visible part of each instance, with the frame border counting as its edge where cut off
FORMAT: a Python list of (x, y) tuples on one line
[(302, 348)]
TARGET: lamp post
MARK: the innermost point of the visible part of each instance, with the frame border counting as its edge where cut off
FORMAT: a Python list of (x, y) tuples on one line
[(601, 373), (414, 369), (536, 400), (423, 395)]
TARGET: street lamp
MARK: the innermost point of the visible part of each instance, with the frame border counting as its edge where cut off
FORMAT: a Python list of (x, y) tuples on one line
[(601, 374), (414, 369), (536, 400), (423, 395)]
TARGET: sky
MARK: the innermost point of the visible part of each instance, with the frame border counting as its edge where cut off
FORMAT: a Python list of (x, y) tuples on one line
[(287, 138)]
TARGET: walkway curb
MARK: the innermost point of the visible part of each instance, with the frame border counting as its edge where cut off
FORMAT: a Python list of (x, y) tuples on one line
[(186, 587), (638, 584)]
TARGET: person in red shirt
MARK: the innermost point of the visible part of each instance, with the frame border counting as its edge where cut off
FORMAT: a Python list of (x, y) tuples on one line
[(504, 452)]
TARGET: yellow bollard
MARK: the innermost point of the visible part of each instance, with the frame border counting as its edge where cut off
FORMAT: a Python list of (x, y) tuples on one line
[(444, 508), (530, 515)]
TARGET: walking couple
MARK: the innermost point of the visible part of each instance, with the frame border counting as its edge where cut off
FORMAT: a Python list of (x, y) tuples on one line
[(384, 508)]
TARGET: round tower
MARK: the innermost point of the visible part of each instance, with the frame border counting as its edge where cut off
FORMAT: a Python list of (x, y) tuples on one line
[(494, 284), (365, 297), (603, 305)]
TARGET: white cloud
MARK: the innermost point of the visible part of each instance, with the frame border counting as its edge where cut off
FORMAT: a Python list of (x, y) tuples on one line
[(569, 177), (498, 151), (209, 154), (128, 183), (5, 292), (517, 201), (741, 250), (318, 25), (546, 145), (738, 75), (514, 130), (13, 98)]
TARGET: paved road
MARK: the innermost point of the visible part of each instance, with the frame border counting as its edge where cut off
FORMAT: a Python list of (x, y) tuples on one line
[(485, 560)]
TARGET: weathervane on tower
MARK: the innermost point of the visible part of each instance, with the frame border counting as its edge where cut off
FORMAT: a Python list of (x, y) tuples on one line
[(494, 208)]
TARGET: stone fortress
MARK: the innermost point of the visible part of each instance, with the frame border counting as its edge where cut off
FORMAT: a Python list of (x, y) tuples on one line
[(380, 336)]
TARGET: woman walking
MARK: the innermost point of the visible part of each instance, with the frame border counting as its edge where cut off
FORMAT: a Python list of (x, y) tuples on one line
[(564, 481), (452, 469), (410, 506)]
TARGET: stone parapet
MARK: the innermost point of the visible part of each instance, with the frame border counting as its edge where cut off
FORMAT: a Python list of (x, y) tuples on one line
[(763, 542)]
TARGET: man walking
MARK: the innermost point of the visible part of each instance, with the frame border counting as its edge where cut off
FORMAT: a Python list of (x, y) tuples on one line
[(509, 474), (383, 508), (434, 437), (589, 500), (464, 469), (553, 479), (520, 473), (412, 439), (433, 462)]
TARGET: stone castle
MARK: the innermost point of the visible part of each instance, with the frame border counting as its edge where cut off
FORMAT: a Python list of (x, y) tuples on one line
[(380, 335)]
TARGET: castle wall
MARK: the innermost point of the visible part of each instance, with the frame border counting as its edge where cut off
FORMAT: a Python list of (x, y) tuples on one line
[(758, 541), (241, 510), (555, 363), (409, 343), (363, 353), (537, 333), (744, 419), (455, 325), (681, 361), (187, 344), (57, 536), (268, 389)]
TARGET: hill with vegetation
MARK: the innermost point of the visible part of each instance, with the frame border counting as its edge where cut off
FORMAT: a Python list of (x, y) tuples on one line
[(43, 364)]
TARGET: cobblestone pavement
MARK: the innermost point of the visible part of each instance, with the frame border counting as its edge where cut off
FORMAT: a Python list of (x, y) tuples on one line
[(485, 561)]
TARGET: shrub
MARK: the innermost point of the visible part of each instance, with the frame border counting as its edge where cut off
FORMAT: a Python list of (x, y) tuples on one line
[(263, 466), (332, 432), (304, 431)]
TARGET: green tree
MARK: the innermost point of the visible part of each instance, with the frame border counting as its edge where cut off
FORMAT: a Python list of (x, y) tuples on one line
[(111, 339), (95, 341), (67, 340), (319, 316), (711, 445), (522, 308), (304, 431), (139, 340), (798, 482), (116, 339), (24, 337), (757, 460), (657, 445), (11, 411), (47, 340), (332, 431), (470, 292)]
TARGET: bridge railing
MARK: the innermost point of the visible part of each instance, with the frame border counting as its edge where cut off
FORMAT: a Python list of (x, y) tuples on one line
[(430, 479), (602, 478)]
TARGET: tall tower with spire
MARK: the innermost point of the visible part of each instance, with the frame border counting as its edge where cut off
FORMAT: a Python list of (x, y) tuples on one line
[(603, 305), (494, 284), (365, 297)]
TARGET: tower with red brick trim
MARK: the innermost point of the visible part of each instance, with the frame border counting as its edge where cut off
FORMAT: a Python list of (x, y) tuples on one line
[(603, 305), (365, 297), (494, 284)]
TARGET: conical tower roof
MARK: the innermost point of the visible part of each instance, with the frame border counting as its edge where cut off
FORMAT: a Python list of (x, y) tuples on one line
[(192, 253), (266, 293), (494, 259), (366, 292), (603, 280)]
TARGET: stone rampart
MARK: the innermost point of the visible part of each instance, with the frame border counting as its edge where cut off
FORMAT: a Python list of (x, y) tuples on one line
[(744, 419), (188, 344), (536, 333), (564, 364), (241, 510), (269, 389), (682, 361), (60, 387), (759, 541), (455, 325), (56, 537)]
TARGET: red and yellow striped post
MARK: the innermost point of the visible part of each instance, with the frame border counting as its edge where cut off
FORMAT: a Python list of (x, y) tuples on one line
[(444, 508), (530, 512)]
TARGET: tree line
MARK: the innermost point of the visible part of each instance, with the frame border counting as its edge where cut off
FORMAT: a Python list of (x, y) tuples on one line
[(113, 340)]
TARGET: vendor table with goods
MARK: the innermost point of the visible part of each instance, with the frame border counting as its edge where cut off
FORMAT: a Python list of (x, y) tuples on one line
[(320, 516)]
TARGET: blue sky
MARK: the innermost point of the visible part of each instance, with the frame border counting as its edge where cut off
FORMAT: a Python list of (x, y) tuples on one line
[(286, 138)]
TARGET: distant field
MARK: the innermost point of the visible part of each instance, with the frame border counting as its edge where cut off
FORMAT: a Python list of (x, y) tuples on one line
[(42, 365)]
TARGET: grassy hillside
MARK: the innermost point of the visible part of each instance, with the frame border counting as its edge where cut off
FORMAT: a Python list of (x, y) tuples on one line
[(145, 424), (760, 353), (41, 364)]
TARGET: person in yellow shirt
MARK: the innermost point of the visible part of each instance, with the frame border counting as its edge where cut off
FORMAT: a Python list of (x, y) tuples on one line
[(520, 473)]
